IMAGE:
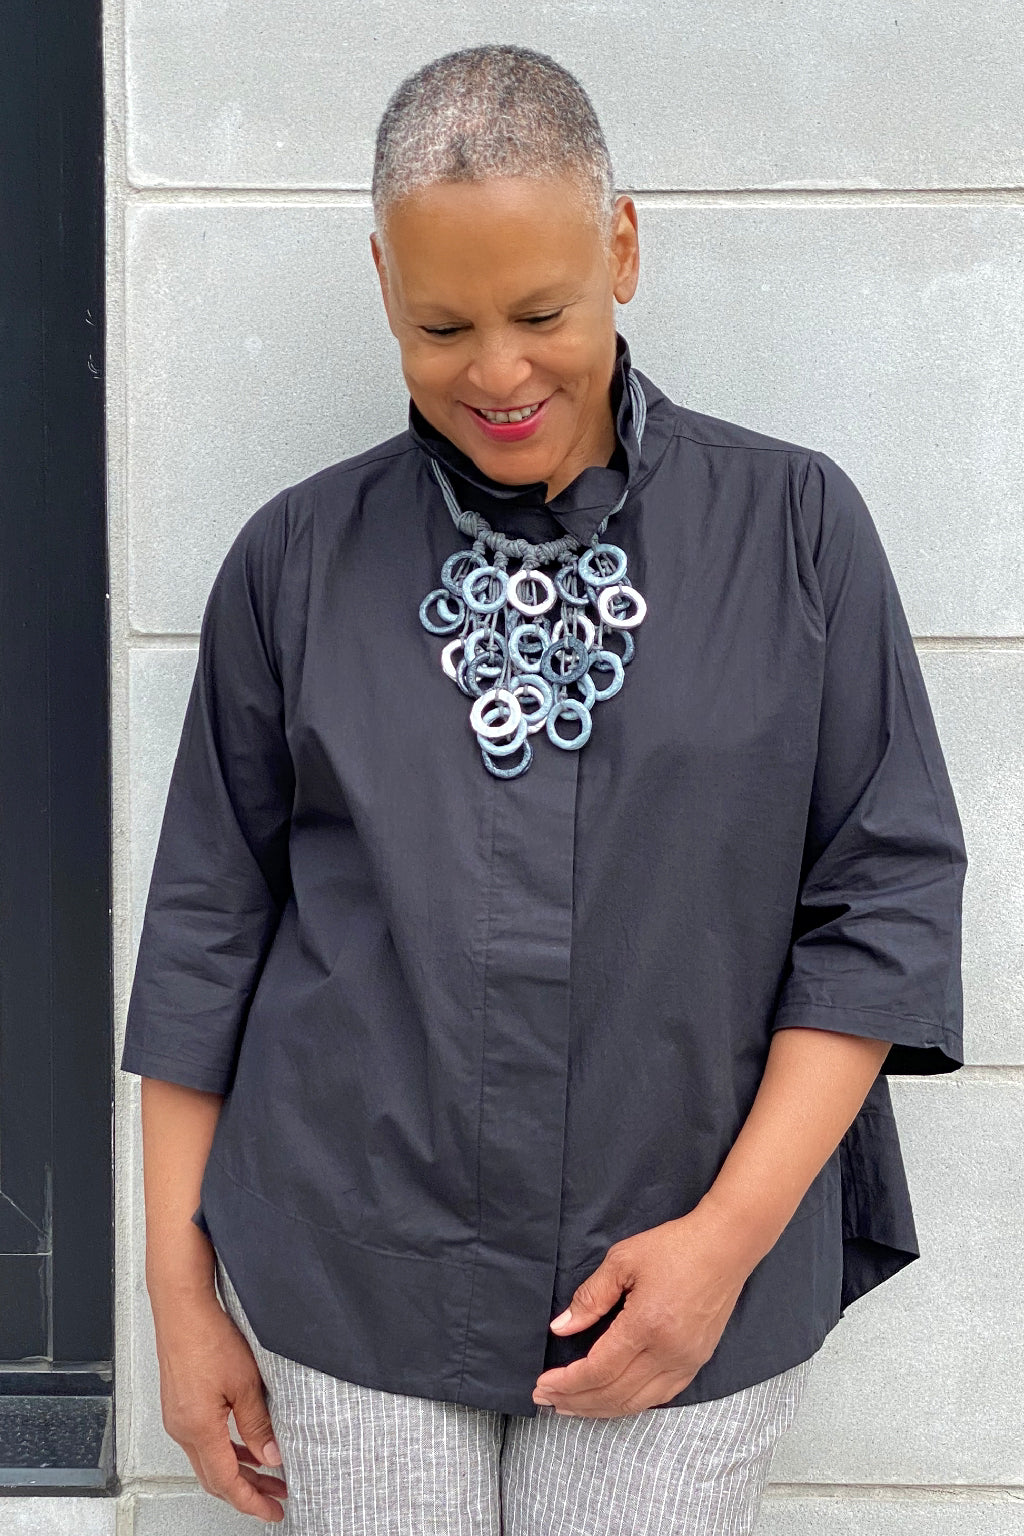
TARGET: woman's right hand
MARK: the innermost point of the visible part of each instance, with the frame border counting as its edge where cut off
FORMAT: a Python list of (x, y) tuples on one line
[(208, 1371)]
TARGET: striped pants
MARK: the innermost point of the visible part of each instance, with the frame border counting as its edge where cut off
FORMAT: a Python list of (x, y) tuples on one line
[(362, 1462)]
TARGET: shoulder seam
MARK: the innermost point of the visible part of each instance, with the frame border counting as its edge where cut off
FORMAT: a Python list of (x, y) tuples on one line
[(795, 449)]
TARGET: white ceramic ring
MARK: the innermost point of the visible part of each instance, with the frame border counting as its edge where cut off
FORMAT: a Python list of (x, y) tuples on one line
[(582, 622), (620, 589), (506, 727), (531, 609)]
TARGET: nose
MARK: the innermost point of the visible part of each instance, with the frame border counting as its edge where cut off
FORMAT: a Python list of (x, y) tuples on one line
[(498, 370)]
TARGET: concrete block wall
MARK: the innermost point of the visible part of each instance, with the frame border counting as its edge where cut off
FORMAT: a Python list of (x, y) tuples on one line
[(832, 235)]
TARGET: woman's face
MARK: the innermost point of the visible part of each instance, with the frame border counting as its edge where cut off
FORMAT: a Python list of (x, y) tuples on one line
[(500, 293)]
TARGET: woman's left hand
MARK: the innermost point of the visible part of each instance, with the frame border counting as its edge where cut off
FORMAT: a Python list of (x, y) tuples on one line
[(683, 1280)]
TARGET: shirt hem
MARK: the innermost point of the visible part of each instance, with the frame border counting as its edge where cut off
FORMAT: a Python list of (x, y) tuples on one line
[(380, 1320)]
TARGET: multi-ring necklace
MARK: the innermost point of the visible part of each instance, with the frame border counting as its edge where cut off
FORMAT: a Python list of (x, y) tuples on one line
[(531, 648)]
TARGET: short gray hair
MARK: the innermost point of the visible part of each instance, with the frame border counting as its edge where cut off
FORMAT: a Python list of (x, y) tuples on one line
[(493, 110)]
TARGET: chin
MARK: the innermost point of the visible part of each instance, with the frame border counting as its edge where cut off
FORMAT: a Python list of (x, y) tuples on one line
[(507, 473), (513, 458)]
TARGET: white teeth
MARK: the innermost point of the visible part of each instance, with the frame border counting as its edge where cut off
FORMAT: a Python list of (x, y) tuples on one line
[(499, 416)]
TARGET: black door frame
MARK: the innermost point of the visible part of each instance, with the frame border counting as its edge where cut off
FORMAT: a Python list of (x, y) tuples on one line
[(56, 1036)]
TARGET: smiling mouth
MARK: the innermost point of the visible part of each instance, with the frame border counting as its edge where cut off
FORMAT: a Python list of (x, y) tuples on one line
[(498, 418)]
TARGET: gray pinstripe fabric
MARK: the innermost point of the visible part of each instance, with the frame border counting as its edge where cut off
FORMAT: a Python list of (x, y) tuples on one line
[(361, 1462)]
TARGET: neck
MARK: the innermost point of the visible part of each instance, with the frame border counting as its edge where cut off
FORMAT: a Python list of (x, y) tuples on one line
[(596, 451)]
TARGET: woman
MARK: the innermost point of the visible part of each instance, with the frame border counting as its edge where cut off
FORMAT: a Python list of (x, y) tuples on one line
[(558, 858)]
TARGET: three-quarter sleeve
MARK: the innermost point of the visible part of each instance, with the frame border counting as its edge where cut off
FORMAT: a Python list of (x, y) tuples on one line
[(220, 875), (877, 931)]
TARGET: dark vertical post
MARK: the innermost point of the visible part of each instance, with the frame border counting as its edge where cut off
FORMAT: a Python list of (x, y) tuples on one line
[(56, 1046)]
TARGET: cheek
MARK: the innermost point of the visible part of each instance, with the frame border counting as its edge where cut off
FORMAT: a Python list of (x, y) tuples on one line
[(432, 373), (576, 370)]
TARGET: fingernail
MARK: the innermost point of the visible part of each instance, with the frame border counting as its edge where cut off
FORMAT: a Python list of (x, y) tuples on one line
[(560, 1322), (271, 1454)]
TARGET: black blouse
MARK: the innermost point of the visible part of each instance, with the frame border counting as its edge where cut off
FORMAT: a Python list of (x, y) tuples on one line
[(471, 1031)]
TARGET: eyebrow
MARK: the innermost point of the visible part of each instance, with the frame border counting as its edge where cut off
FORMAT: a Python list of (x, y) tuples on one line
[(539, 294), (549, 297)]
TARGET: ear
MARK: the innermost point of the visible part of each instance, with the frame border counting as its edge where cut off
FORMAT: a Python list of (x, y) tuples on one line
[(380, 262), (624, 252)]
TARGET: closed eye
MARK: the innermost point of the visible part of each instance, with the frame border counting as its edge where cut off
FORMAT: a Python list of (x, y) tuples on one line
[(453, 330)]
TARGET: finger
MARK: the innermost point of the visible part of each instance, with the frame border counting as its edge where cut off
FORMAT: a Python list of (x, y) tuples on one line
[(266, 1482), (592, 1298), (625, 1400), (600, 1391), (222, 1475), (614, 1352), (245, 1455), (632, 1392), (252, 1419)]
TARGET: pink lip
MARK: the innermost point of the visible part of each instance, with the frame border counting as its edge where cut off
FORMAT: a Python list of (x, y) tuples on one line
[(509, 431)]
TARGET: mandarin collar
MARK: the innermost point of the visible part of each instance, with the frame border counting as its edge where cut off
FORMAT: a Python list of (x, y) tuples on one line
[(583, 504)]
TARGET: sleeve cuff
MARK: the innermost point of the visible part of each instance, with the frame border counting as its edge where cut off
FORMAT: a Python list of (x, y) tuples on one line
[(919, 1046), (175, 1069)]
